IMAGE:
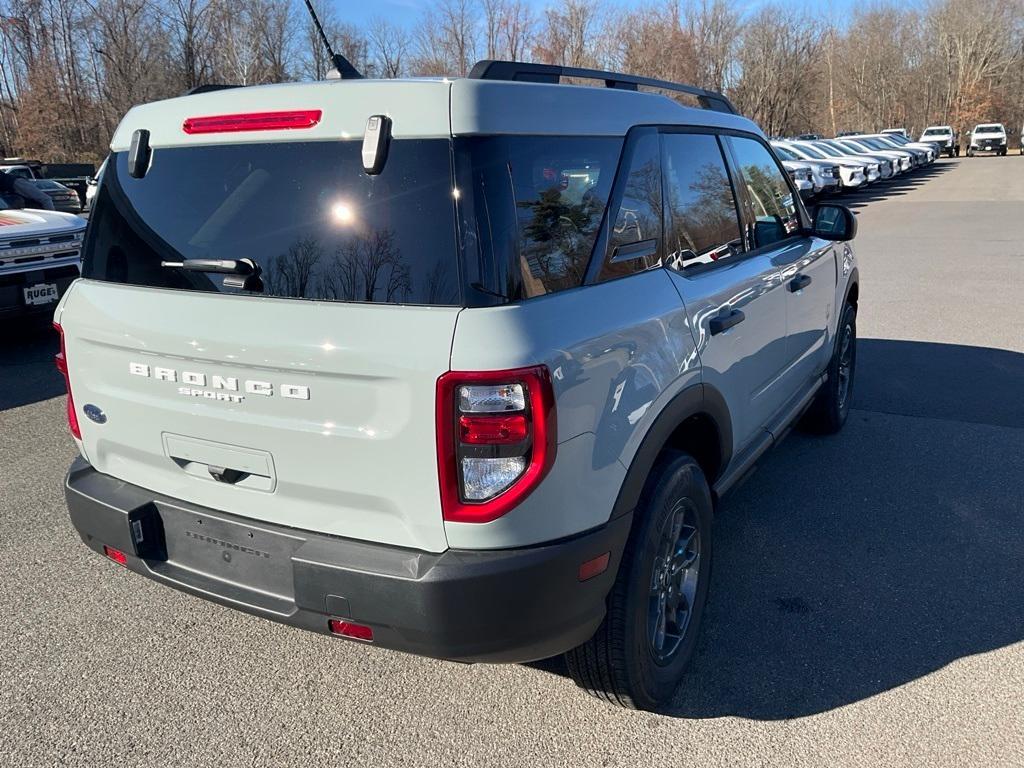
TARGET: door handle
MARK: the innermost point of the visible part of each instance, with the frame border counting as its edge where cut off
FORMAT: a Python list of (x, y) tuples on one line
[(799, 282), (725, 321), (642, 249)]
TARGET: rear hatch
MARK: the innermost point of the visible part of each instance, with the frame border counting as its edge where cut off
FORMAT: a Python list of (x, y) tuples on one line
[(307, 401)]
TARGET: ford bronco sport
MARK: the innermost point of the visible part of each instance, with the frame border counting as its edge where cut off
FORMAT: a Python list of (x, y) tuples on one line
[(456, 367)]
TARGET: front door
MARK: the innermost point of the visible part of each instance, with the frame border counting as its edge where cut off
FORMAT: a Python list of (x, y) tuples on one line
[(734, 296)]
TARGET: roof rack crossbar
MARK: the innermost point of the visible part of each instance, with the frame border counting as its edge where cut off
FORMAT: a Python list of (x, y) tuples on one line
[(553, 73)]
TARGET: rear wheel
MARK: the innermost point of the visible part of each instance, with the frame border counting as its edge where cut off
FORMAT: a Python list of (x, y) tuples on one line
[(831, 405), (639, 653)]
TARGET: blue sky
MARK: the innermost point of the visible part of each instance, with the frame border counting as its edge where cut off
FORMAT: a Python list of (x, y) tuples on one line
[(406, 11)]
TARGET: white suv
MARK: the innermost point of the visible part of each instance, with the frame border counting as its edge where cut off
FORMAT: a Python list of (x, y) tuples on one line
[(436, 366)]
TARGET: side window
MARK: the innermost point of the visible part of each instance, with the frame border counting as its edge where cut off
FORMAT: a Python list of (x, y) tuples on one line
[(634, 241), (774, 210), (701, 222)]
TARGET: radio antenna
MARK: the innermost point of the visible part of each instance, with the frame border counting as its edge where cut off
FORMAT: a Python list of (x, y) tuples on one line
[(345, 69)]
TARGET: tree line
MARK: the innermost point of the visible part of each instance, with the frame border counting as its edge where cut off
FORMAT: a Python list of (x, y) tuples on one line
[(70, 69)]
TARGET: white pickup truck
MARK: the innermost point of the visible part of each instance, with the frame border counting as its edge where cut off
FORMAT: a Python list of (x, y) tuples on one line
[(40, 255)]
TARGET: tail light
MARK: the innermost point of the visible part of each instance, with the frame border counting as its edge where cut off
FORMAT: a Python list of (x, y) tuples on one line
[(253, 121), (495, 440), (61, 360)]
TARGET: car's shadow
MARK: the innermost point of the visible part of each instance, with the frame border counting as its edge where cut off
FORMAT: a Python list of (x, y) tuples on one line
[(852, 564), (27, 371), (882, 190)]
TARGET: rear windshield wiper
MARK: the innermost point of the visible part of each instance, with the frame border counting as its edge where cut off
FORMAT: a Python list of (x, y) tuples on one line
[(244, 273)]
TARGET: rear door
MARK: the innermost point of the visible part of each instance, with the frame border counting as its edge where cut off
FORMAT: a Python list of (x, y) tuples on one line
[(307, 401), (733, 294)]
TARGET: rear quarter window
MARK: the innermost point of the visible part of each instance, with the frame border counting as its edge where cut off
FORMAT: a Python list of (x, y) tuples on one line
[(532, 208)]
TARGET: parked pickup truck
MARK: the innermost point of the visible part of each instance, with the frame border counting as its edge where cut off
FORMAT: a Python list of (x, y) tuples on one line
[(40, 255), (944, 138)]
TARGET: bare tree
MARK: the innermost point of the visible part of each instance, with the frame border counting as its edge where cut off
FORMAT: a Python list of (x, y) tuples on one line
[(445, 38), (570, 35), (715, 28), (189, 24), (389, 47), (70, 69), (651, 41), (777, 58)]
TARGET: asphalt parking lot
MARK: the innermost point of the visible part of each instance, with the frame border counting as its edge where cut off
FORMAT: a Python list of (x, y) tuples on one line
[(867, 605)]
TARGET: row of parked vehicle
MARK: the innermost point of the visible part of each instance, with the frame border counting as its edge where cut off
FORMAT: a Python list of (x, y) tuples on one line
[(820, 166), (64, 198)]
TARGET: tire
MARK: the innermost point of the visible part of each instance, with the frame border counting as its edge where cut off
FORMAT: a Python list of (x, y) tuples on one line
[(831, 405), (622, 663)]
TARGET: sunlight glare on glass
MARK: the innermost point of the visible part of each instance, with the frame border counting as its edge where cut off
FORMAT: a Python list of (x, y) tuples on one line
[(342, 213)]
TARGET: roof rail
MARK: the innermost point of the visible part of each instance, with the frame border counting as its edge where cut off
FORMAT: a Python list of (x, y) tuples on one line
[(553, 73)]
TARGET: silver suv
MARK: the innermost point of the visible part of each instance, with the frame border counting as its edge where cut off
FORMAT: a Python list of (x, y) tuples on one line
[(456, 367)]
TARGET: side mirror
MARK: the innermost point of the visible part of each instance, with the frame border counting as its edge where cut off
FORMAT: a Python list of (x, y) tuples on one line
[(834, 222)]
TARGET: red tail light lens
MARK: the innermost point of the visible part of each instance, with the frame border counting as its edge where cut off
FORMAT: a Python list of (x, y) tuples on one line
[(495, 440), (493, 430), (61, 361), (253, 121)]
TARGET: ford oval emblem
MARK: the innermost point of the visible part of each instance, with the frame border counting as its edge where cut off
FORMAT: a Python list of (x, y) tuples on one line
[(95, 413)]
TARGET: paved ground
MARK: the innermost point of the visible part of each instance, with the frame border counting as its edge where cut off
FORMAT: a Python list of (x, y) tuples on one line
[(868, 596)]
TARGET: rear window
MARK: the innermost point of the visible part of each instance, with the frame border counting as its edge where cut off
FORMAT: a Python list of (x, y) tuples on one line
[(305, 212)]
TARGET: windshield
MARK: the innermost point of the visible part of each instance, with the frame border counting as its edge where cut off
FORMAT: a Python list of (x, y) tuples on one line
[(305, 212), (810, 151), (874, 144), (938, 132), (897, 139), (855, 146), (989, 129), (826, 149), (784, 153)]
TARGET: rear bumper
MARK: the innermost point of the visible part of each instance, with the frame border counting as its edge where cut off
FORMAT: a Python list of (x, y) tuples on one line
[(472, 606), (13, 285)]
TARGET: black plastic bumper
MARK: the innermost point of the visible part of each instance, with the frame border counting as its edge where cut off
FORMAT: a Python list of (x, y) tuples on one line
[(465, 605)]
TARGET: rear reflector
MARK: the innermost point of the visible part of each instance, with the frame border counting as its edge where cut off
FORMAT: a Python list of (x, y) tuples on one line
[(348, 629), (253, 121), (594, 567), (61, 361), (115, 554)]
